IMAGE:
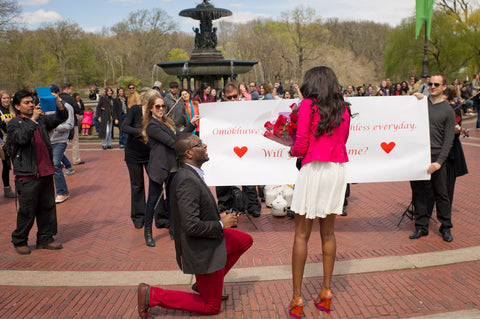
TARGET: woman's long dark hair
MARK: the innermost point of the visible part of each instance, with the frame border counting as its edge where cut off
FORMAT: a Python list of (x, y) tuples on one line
[(201, 91), (320, 85)]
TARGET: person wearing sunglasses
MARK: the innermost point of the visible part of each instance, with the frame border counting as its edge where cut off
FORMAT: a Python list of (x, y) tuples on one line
[(253, 91), (442, 132), (206, 245), (160, 132), (137, 153), (133, 96), (225, 193)]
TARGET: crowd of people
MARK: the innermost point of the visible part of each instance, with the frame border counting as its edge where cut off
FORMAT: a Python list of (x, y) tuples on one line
[(160, 132)]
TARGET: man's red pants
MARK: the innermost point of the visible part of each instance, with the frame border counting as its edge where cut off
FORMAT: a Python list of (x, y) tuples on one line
[(210, 286)]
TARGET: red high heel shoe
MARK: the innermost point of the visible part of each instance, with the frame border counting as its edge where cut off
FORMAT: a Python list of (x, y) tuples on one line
[(325, 303), (294, 310)]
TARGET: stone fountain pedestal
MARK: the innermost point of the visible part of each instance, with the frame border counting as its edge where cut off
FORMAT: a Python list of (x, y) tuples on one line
[(206, 63)]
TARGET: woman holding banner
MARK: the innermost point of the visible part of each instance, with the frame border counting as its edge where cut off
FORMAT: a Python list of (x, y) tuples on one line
[(323, 128)]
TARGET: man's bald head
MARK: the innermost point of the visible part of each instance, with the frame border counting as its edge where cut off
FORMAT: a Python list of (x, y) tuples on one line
[(182, 143)]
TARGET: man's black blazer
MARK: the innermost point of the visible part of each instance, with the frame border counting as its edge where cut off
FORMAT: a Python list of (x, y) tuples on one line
[(198, 234)]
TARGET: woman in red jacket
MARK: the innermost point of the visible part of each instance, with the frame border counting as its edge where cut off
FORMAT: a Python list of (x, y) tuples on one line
[(323, 127)]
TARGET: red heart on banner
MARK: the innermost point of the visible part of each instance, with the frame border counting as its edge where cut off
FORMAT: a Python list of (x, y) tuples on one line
[(387, 147), (240, 151)]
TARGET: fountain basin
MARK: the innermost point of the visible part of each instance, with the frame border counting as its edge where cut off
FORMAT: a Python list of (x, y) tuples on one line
[(207, 67)]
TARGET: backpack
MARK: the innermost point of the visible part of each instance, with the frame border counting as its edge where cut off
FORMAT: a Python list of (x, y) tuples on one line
[(239, 202)]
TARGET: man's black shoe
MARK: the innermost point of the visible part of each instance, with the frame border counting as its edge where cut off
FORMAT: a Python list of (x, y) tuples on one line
[(447, 236), (344, 212), (418, 233), (255, 213)]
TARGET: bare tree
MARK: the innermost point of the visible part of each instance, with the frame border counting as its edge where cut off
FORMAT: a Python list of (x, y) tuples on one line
[(8, 10), (146, 32), (302, 29), (61, 37)]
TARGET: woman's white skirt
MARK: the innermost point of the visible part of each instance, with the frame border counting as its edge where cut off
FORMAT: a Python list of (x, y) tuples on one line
[(320, 189)]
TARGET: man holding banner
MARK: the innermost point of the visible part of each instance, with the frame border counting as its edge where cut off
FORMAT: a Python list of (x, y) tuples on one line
[(225, 193), (442, 131)]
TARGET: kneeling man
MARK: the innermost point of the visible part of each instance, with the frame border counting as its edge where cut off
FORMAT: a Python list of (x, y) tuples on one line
[(205, 243)]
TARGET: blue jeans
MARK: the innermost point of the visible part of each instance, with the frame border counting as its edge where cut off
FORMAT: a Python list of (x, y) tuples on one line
[(66, 162), (96, 123), (107, 141), (122, 139), (59, 179)]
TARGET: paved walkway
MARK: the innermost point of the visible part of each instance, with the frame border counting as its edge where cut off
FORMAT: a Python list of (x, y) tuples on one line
[(379, 272)]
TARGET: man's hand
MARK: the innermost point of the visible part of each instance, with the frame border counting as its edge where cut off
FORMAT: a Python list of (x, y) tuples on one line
[(433, 168), (37, 111), (99, 120), (228, 220), (418, 95), (59, 103)]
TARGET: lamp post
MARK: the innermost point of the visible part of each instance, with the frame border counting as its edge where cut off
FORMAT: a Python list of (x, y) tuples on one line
[(425, 59)]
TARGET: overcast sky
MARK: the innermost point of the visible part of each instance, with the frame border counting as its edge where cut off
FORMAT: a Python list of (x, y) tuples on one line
[(92, 15)]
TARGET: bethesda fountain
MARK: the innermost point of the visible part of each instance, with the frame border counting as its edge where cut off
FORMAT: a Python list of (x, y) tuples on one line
[(206, 63)]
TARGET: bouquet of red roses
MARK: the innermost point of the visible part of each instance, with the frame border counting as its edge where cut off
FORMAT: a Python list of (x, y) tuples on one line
[(283, 130)]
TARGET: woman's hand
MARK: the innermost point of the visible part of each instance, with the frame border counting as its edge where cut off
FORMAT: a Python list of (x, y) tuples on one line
[(195, 119)]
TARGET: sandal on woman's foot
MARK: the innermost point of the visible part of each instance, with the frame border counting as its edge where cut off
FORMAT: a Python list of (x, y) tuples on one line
[(324, 304), (295, 310)]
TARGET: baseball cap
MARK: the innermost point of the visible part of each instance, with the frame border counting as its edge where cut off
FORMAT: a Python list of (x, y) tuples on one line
[(54, 88)]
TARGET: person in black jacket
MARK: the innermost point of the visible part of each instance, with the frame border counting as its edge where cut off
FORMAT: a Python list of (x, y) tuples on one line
[(32, 156), (206, 245), (160, 132), (137, 153), (120, 111), (6, 115), (106, 118)]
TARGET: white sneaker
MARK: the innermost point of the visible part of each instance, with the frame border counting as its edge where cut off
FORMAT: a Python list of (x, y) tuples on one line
[(69, 171), (61, 198)]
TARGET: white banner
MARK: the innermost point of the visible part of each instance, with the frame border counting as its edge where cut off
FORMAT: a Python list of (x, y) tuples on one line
[(389, 141)]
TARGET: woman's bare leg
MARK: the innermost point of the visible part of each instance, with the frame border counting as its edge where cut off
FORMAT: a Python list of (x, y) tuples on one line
[(303, 228), (329, 249)]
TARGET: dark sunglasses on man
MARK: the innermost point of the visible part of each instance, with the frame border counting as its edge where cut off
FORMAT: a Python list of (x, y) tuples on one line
[(231, 97), (435, 84)]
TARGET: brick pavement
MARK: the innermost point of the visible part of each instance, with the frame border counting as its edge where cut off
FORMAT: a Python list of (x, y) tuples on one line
[(95, 228)]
